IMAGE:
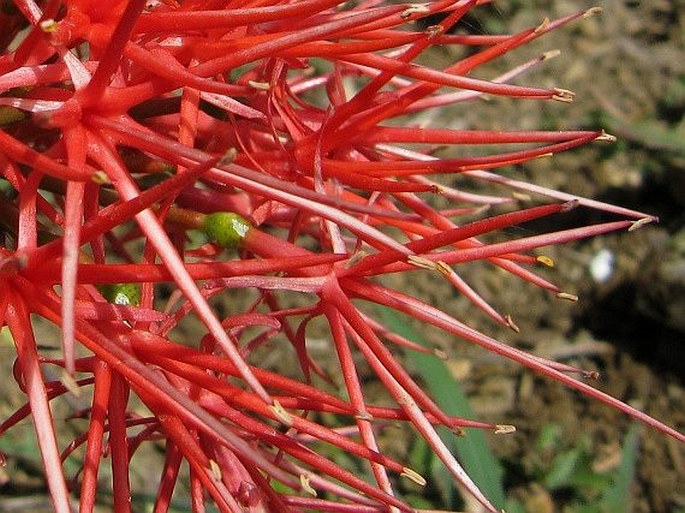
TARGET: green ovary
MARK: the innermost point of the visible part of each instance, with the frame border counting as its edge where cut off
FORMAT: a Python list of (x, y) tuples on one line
[(121, 293), (226, 228)]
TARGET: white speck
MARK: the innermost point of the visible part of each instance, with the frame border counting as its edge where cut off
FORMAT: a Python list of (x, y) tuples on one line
[(602, 266)]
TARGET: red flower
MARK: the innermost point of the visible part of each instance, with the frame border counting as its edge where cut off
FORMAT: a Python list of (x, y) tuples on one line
[(271, 129)]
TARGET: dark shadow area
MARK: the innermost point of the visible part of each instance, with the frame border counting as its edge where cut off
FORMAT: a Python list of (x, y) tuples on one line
[(616, 317)]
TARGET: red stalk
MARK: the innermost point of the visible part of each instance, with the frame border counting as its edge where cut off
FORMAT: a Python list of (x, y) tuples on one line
[(448, 237), (142, 273), (111, 57), (20, 327), (187, 20), (354, 390), (93, 456), (76, 149), (118, 444)]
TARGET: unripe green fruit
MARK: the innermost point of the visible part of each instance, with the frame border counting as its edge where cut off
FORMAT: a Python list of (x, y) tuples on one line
[(127, 294), (226, 228)]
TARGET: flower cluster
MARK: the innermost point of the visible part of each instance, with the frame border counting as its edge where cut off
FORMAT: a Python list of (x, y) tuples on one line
[(273, 132)]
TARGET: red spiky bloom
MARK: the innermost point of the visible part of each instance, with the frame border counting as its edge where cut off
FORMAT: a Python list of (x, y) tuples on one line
[(272, 127)]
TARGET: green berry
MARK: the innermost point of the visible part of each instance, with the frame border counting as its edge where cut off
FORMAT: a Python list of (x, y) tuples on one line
[(226, 228), (121, 293)]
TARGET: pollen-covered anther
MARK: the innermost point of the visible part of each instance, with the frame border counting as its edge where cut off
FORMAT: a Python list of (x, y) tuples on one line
[(48, 26), (457, 431), (261, 86), (567, 296), (415, 9), (413, 475), (551, 54), (605, 137), (99, 178), (306, 485), (504, 429), (363, 415), (563, 95), (443, 268), (512, 325), (10, 115), (543, 26), (422, 262), (441, 354), (216, 470), (545, 260), (520, 196), (592, 11), (640, 223), (434, 30), (281, 414), (437, 189), (228, 157)]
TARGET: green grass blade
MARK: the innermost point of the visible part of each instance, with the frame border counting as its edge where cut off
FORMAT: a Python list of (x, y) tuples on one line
[(472, 450), (616, 499)]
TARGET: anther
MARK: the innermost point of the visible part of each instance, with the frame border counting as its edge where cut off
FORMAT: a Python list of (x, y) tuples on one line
[(545, 260), (550, 55), (504, 429), (510, 322), (48, 26), (563, 95), (228, 157), (413, 475), (261, 86), (569, 297), (520, 196), (414, 9), (433, 30), (306, 486), (443, 268), (640, 223), (605, 137), (440, 354), (216, 469), (100, 178), (363, 415), (281, 414), (422, 262), (542, 26), (592, 11)]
